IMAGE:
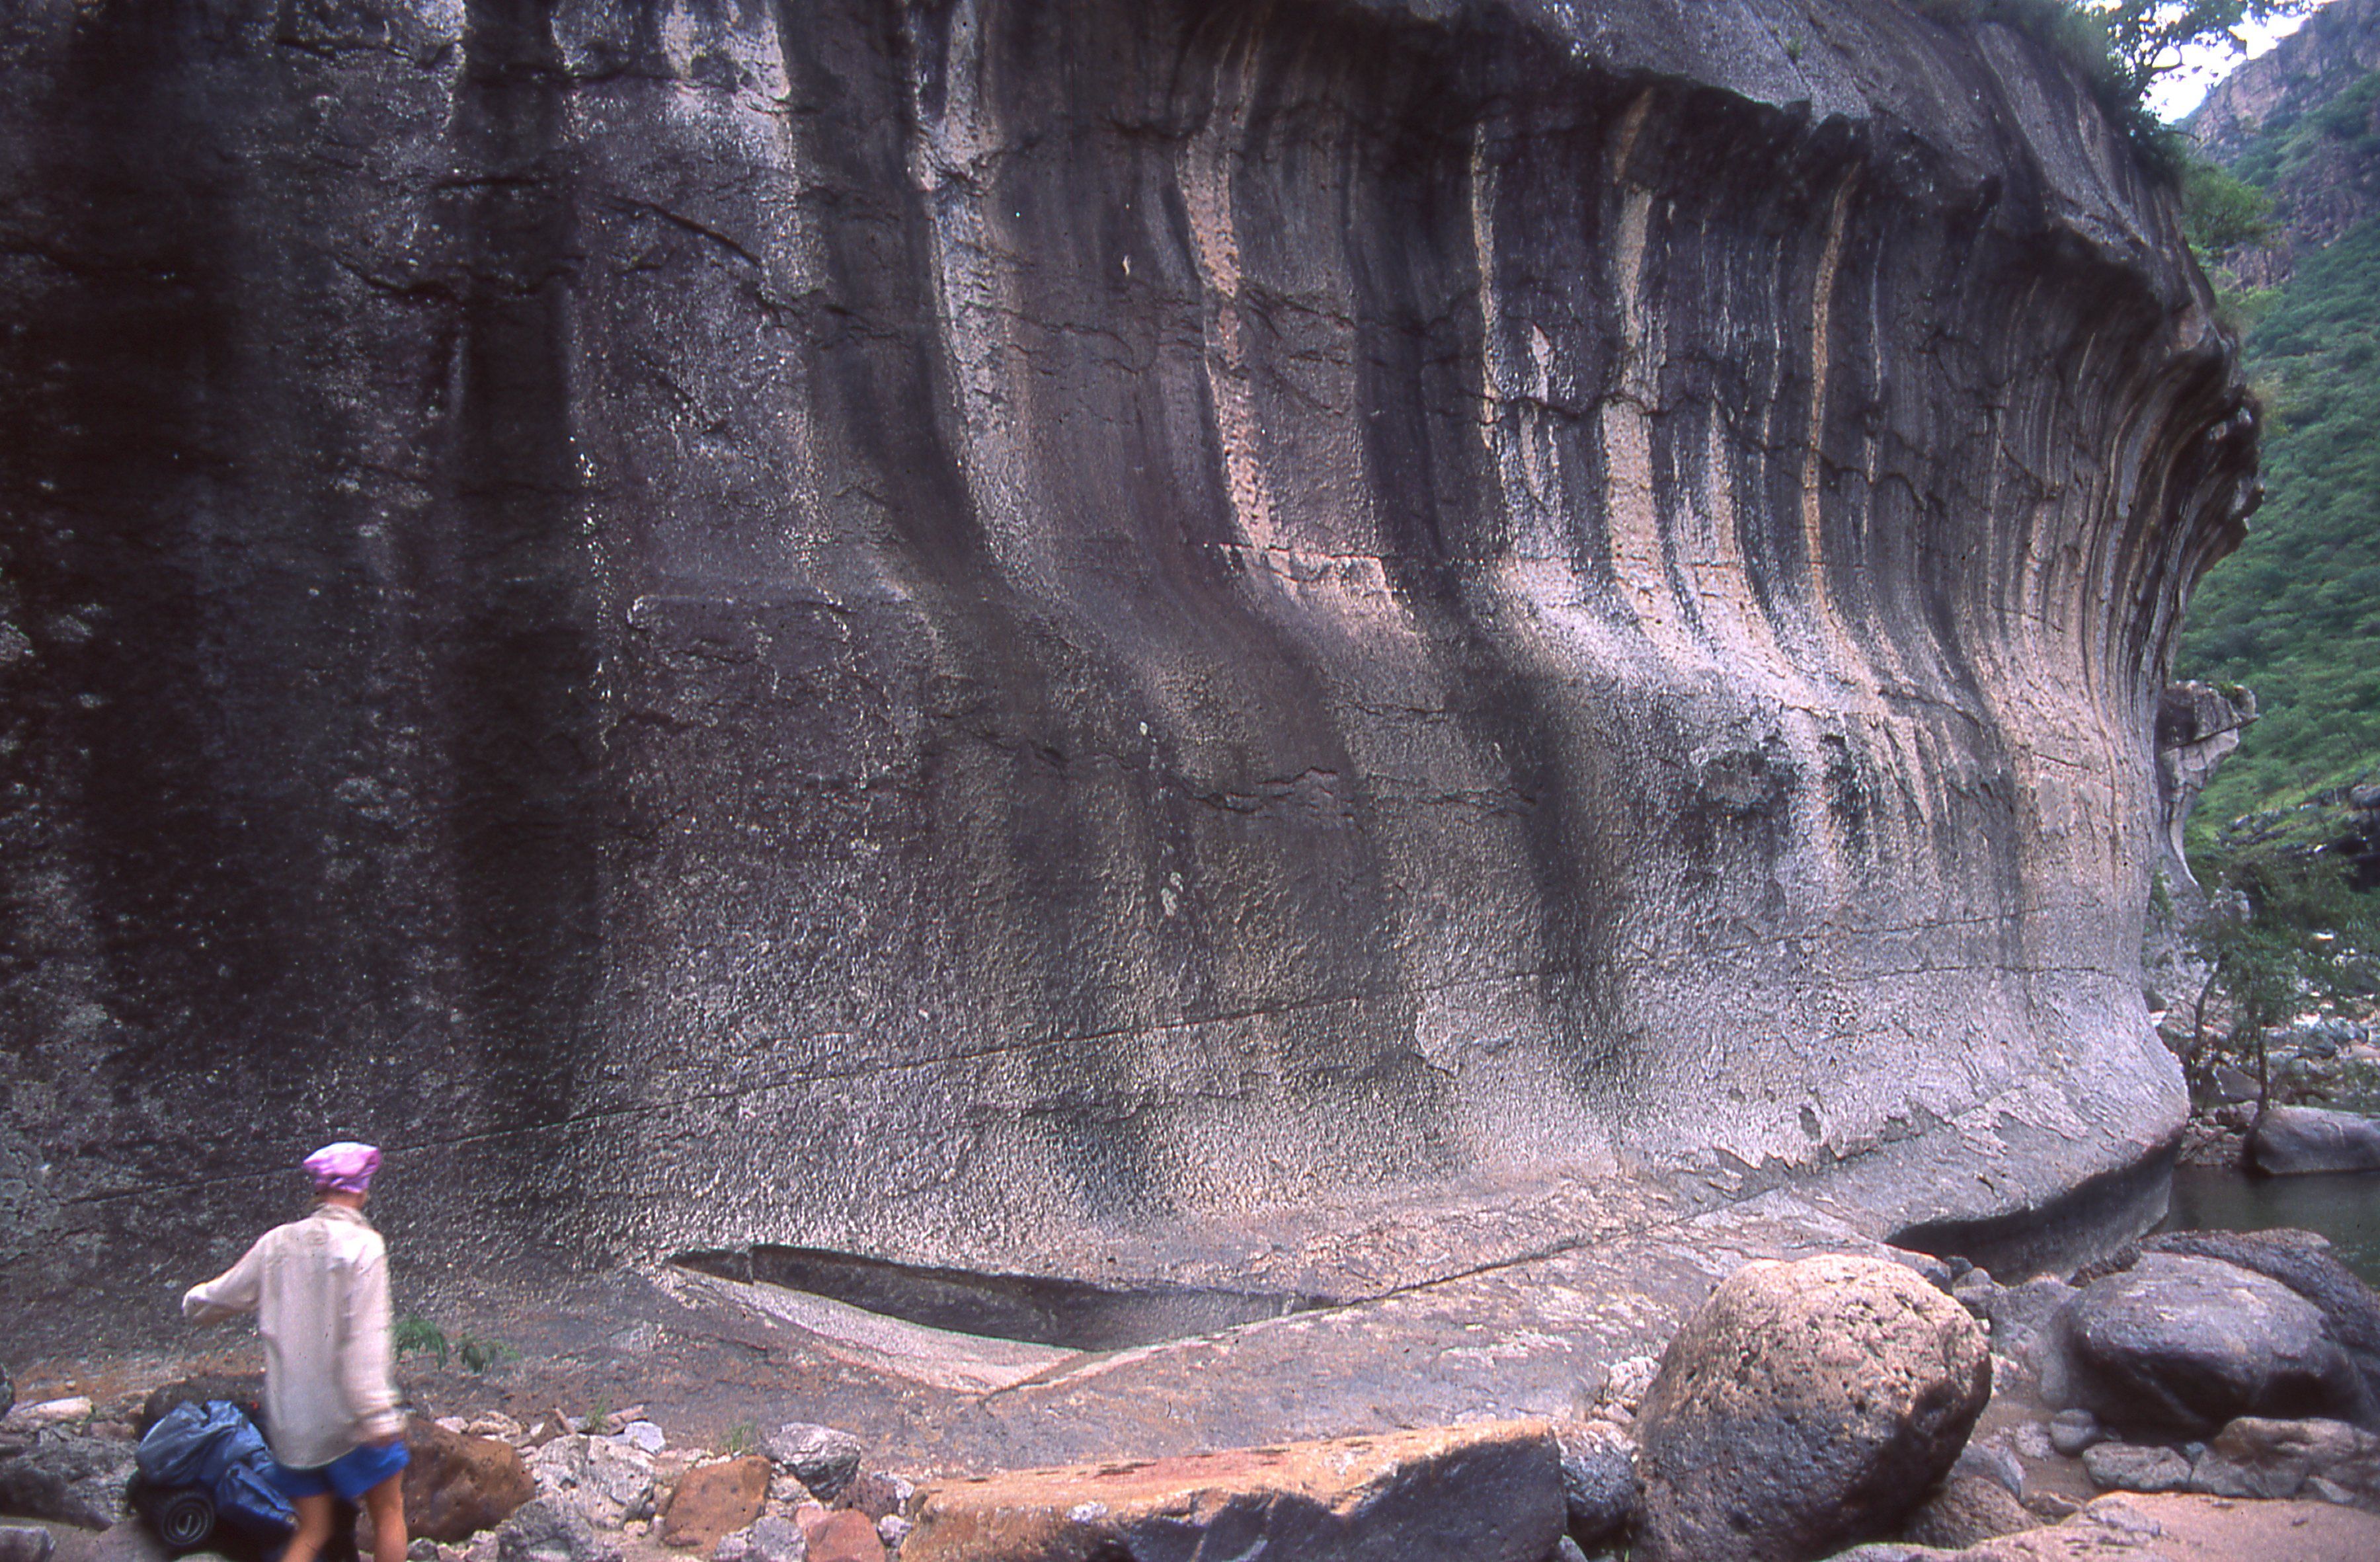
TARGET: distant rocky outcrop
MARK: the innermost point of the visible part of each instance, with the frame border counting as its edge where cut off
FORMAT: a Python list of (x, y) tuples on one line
[(1072, 628), (2312, 106)]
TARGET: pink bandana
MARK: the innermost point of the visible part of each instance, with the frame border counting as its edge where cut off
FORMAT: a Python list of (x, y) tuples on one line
[(342, 1167)]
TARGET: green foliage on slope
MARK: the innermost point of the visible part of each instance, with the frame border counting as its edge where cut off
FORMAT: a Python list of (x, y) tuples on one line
[(2295, 614)]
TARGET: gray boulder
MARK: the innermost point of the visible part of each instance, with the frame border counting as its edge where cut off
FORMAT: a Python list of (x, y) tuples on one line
[(2133, 1466), (1967, 1510), (2303, 1262), (66, 1475), (776, 1540), (550, 1531), (607, 1481), (2184, 1344), (25, 1543), (2291, 1140), (821, 1457), (2259, 1458), (1806, 1407)]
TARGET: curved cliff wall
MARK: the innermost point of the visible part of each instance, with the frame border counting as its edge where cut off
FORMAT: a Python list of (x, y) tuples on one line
[(985, 631)]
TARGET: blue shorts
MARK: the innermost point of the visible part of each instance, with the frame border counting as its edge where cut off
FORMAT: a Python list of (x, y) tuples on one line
[(351, 1474)]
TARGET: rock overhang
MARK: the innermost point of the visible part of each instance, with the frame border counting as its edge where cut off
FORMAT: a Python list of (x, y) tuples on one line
[(1374, 635)]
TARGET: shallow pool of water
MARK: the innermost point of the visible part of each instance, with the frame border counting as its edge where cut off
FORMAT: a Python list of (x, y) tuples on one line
[(2344, 1207)]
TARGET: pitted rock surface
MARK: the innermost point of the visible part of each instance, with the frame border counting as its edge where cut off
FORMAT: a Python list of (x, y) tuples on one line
[(1807, 1406), (1072, 627)]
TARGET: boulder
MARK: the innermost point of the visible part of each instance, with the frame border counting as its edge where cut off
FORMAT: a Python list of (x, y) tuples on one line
[(712, 1500), (1482, 1492), (2133, 1466), (1966, 1509), (2184, 1344), (130, 1540), (846, 1536), (609, 1482), (547, 1529), (2292, 1141), (25, 1543), (66, 1475), (821, 1457), (457, 1485), (776, 1540), (2303, 1262), (1601, 1494), (2258, 1457), (1806, 1406), (876, 1494)]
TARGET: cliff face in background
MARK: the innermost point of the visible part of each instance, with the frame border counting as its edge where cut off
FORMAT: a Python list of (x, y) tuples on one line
[(2303, 122), (2295, 614), (1009, 633)]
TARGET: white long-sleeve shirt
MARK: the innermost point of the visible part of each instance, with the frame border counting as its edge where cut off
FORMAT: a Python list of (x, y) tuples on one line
[(319, 1287)]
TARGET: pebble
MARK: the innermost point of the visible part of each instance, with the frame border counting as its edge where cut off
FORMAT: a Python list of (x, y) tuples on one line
[(644, 1434), (2070, 1432), (2033, 1440)]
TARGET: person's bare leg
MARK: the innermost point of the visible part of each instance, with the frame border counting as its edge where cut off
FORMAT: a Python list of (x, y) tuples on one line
[(386, 1503), (314, 1516)]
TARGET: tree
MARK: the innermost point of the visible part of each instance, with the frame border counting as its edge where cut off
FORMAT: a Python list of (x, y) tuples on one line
[(2294, 929), (2146, 38)]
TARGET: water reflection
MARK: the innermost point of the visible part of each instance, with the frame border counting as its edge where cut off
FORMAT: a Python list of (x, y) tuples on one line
[(2344, 1207)]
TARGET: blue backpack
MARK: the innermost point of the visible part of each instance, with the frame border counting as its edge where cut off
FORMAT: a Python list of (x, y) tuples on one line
[(202, 1462)]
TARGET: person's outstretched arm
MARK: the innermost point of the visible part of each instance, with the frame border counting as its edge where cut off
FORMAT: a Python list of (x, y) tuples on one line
[(365, 1370), (230, 1293)]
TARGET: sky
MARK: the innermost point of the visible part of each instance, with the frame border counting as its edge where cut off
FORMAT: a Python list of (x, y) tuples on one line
[(2179, 94)]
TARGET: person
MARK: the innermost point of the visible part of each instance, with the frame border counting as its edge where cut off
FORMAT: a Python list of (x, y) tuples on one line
[(319, 1287)]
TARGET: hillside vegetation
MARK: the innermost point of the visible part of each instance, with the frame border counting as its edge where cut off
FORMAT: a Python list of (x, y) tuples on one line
[(2295, 614)]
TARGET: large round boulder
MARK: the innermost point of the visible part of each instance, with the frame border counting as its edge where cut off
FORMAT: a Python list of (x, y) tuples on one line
[(1806, 1407), (2303, 1262), (2183, 1344)]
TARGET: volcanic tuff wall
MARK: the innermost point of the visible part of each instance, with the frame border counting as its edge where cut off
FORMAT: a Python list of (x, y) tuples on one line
[(973, 630)]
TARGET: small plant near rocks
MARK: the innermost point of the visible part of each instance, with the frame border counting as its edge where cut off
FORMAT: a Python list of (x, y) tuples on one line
[(742, 1439), (478, 1355), (414, 1335), (599, 1418)]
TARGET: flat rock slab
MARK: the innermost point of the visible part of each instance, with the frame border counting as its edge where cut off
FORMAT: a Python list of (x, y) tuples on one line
[(2172, 1528), (1539, 1336), (1485, 1493)]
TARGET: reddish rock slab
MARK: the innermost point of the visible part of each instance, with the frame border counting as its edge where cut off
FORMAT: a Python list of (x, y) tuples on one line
[(712, 1500), (1484, 1493), (846, 1536)]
